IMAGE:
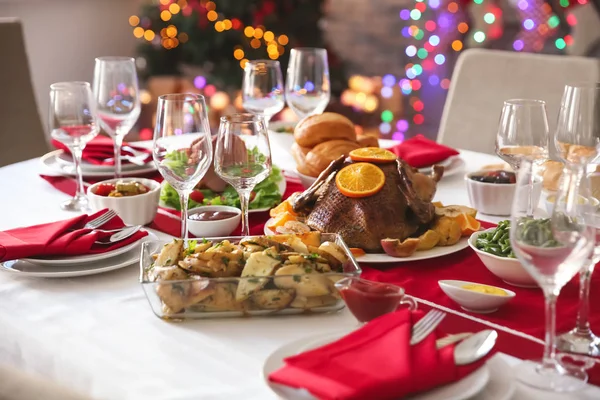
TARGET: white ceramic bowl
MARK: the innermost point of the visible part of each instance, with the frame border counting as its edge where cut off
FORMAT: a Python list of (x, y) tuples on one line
[(133, 210), (490, 198), (208, 229), (472, 301), (305, 179), (509, 270)]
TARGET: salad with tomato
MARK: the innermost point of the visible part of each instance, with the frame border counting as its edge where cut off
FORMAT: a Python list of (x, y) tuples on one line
[(265, 195)]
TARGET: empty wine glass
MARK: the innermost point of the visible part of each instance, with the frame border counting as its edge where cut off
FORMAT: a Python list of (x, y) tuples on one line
[(243, 156), (182, 148), (576, 141), (262, 89), (522, 132), (117, 94), (72, 121), (552, 250), (307, 90), (578, 131)]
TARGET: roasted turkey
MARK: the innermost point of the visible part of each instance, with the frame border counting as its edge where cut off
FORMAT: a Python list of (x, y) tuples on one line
[(400, 209)]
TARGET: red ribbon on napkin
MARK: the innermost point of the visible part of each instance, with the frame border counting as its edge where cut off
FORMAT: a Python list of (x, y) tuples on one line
[(65, 237), (421, 152), (374, 362), (101, 148)]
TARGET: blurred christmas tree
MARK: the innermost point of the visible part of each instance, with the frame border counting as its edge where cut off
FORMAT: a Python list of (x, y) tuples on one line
[(217, 38)]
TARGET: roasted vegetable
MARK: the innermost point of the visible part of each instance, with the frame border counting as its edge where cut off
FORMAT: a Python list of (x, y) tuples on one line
[(170, 254), (313, 302), (428, 240), (448, 229), (258, 265), (273, 299), (397, 248), (305, 280)]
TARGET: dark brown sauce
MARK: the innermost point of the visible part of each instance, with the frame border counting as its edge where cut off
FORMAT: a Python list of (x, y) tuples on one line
[(212, 215)]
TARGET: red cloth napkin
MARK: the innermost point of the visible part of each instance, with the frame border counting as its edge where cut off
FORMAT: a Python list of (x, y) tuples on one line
[(61, 238), (99, 149), (374, 362), (421, 152)]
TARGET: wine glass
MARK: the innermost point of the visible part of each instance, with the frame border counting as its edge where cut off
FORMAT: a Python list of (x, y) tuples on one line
[(117, 94), (72, 121), (182, 147), (262, 89), (243, 156), (578, 130), (552, 250), (522, 132), (576, 141), (307, 90)]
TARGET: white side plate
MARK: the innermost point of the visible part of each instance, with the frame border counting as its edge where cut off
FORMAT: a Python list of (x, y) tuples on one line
[(50, 161)]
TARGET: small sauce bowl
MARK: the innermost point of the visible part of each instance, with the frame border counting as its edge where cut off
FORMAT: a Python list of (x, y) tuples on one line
[(473, 300), (218, 228), (368, 300)]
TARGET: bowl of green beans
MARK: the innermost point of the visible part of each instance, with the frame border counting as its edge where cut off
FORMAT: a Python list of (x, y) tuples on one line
[(495, 252)]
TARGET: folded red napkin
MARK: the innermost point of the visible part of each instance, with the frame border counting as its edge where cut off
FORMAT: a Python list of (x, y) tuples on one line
[(99, 149), (421, 152), (61, 238), (374, 362)]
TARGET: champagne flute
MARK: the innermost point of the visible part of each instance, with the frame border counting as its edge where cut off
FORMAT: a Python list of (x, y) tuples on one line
[(117, 95), (522, 132), (182, 147), (576, 141), (243, 156), (262, 88), (552, 250), (73, 122), (307, 89)]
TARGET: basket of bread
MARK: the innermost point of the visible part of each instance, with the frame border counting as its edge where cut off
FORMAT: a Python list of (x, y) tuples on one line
[(320, 139)]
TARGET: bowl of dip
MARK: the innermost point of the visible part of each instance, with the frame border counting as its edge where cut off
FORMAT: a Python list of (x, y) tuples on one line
[(213, 221), (368, 300), (475, 297)]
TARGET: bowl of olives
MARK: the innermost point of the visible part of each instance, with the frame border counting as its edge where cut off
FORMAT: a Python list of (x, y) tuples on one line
[(491, 191)]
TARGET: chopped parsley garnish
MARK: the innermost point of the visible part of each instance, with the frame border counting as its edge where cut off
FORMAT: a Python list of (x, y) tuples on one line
[(225, 260), (308, 270), (297, 278)]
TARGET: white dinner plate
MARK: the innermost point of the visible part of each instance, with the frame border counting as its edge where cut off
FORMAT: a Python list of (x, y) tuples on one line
[(466, 388), (378, 258), (282, 186), (447, 163), (83, 259), (66, 160), (50, 162), (27, 269)]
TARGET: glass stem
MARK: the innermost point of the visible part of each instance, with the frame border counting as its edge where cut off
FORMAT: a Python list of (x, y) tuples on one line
[(244, 200), (118, 143), (184, 196), (550, 342), (585, 277), (77, 152)]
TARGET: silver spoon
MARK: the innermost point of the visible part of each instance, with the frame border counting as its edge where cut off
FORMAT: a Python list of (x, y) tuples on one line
[(475, 347), (121, 235)]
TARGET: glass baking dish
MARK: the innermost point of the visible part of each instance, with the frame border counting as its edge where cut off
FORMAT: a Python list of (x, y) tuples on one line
[(202, 297)]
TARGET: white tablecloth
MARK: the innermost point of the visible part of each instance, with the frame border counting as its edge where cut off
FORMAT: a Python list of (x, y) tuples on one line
[(98, 335)]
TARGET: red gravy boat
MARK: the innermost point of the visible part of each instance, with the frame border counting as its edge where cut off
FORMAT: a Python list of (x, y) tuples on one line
[(368, 300)]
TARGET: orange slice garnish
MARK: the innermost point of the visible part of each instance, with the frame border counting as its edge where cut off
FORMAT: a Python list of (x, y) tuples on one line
[(468, 224), (372, 154), (356, 252), (360, 180)]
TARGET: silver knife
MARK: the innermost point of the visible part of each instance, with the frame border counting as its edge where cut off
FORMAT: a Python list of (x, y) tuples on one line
[(475, 347)]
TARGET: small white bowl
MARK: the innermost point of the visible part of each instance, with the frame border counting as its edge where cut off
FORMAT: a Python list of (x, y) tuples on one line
[(133, 210), (208, 229), (490, 198), (509, 270), (551, 199), (305, 179), (477, 302)]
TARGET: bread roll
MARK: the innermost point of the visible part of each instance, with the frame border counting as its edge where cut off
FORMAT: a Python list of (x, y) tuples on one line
[(576, 153), (316, 129), (299, 154), (367, 141), (551, 176), (323, 154)]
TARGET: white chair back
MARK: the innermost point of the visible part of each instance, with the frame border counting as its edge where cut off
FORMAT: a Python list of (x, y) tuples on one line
[(483, 79), (21, 130)]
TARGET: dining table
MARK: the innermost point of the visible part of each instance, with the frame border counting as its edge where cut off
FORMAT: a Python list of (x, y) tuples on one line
[(98, 335)]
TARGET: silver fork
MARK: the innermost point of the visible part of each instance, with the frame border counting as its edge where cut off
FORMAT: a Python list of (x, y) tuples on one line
[(425, 326), (101, 220)]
